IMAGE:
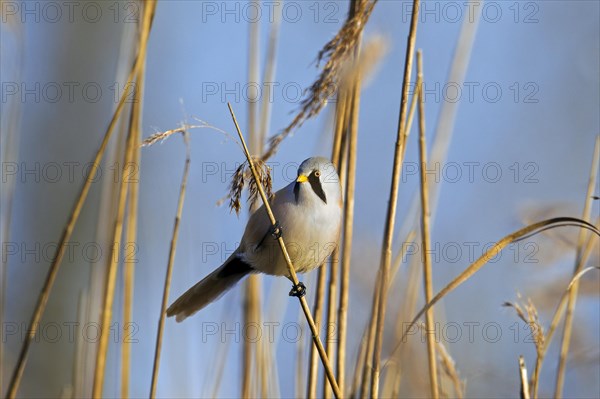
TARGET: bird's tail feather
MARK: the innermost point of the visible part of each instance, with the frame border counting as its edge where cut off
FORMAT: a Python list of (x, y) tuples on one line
[(209, 288)]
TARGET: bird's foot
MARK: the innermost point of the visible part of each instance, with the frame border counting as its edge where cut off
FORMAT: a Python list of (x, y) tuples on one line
[(298, 290), (276, 230)]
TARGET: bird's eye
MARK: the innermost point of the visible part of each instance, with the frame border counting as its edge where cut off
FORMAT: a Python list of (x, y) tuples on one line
[(317, 173)]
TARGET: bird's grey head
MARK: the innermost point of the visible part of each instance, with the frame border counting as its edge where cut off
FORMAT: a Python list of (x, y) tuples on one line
[(322, 179)]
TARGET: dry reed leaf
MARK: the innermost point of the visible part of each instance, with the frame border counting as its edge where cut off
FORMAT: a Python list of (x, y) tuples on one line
[(527, 231)]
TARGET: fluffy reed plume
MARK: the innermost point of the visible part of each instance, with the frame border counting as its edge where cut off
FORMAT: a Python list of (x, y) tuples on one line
[(243, 178), (337, 51), (529, 314)]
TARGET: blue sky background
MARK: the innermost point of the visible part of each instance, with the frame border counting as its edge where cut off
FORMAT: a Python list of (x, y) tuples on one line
[(544, 56)]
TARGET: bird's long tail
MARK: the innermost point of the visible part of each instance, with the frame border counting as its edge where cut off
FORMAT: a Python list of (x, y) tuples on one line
[(209, 288)]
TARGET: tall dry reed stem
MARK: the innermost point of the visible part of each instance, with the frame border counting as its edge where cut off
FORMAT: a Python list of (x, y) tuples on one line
[(566, 338), (426, 239), (68, 230), (353, 106), (524, 393), (131, 232), (386, 255), (11, 114), (311, 384), (292, 272), (111, 272), (352, 118), (370, 342), (252, 286), (336, 154), (107, 305), (169, 272), (334, 266)]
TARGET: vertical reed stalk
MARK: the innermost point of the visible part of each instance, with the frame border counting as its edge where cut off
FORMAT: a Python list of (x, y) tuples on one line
[(566, 338), (330, 346), (352, 122), (426, 238), (107, 304), (131, 232), (379, 308), (169, 273), (111, 273), (524, 393), (336, 155), (369, 344), (291, 270), (252, 289), (348, 231), (311, 389)]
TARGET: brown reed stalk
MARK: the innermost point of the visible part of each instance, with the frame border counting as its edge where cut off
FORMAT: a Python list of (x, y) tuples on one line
[(331, 298), (524, 392), (367, 370), (9, 148), (292, 272), (348, 234), (79, 345), (266, 361), (426, 239), (299, 366), (131, 230), (567, 331), (411, 286), (68, 230), (252, 286), (352, 117), (336, 154), (311, 387), (111, 273), (169, 273), (334, 267), (386, 255), (359, 367)]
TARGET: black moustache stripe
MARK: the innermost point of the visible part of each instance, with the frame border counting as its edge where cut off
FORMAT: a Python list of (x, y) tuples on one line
[(315, 183), (296, 191)]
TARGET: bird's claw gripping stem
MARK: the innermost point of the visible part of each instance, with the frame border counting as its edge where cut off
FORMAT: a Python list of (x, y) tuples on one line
[(276, 230), (298, 290)]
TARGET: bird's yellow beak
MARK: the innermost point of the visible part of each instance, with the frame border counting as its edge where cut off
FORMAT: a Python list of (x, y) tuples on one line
[(302, 179)]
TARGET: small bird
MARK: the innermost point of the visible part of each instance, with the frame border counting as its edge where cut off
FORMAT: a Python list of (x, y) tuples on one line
[(309, 216)]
